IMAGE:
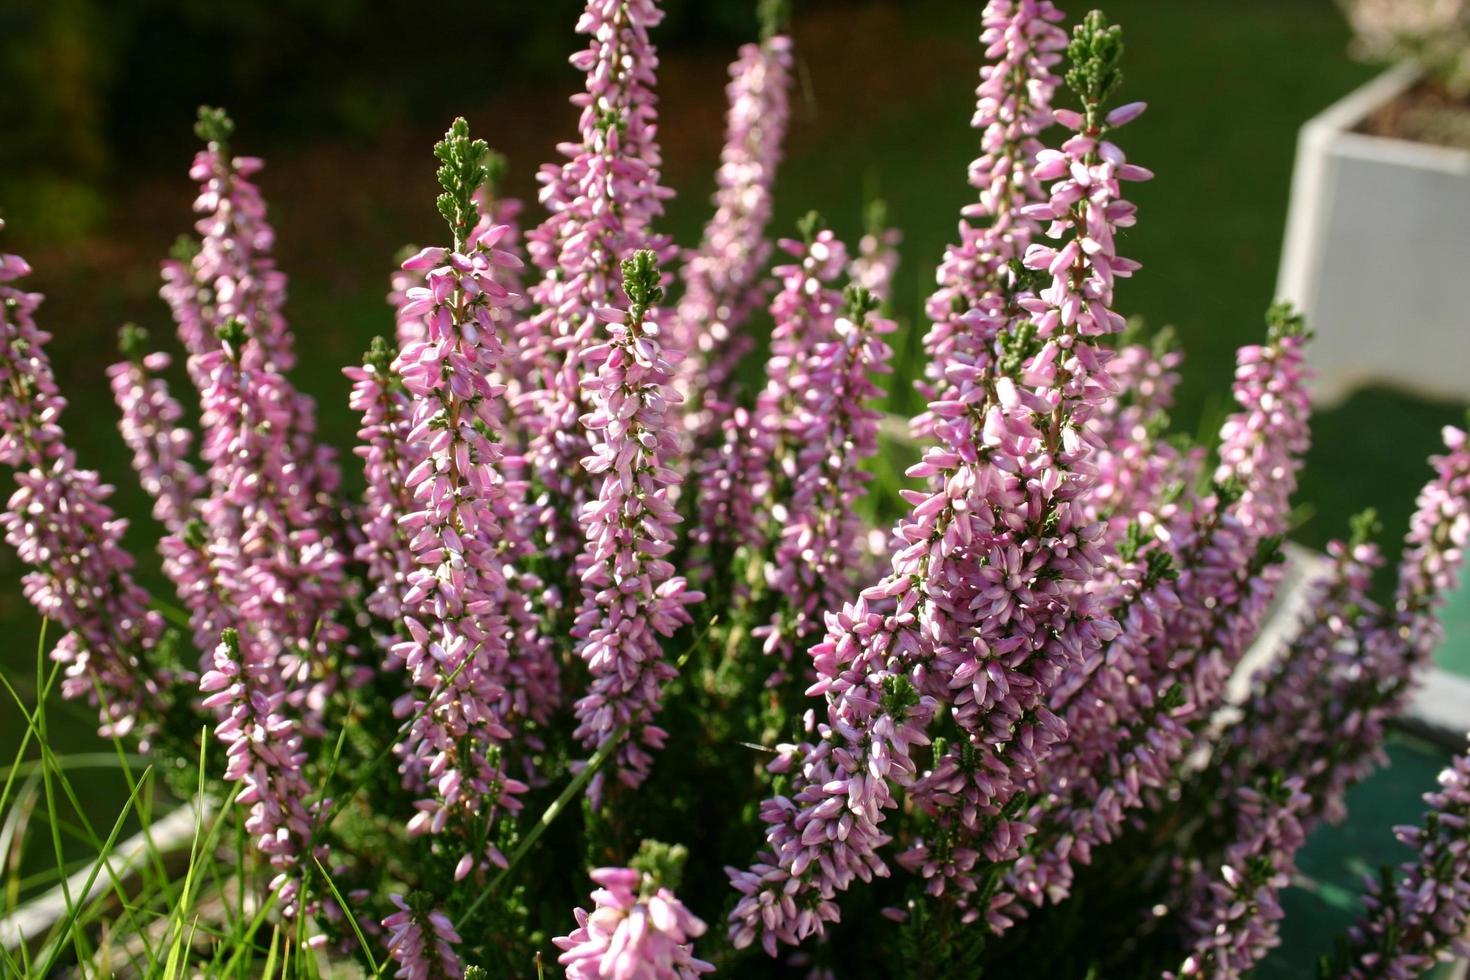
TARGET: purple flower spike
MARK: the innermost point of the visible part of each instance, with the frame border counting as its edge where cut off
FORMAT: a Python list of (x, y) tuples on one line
[(1023, 45), (150, 428), (603, 201), (60, 525), (454, 632), (722, 277), (422, 939), (637, 930), (631, 597), (263, 753)]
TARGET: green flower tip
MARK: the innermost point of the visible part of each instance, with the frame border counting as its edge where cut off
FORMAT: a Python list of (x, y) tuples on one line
[(379, 355), (214, 125), (1364, 527), (774, 16), (899, 694), (1094, 54), (132, 341), (231, 333), (663, 863), (859, 303), (641, 281), (463, 169), (810, 225), (1285, 320), (184, 248)]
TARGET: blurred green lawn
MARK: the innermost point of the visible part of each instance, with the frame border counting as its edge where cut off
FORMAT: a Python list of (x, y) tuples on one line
[(884, 106)]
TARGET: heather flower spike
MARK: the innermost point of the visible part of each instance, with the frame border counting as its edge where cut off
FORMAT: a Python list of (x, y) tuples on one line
[(60, 525), (964, 634), (1418, 915), (454, 640), (638, 929), (149, 424), (1036, 699), (722, 277), (631, 598)]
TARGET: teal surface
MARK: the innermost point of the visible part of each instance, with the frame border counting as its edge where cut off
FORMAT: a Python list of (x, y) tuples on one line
[(1454, 653), (1337, 858)]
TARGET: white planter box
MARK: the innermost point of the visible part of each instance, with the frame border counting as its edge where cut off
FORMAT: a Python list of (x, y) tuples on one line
[(1377, 252)]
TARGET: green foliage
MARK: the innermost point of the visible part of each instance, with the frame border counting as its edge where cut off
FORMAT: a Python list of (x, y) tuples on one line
[(214, 126), (1284, 320), (132, 341), (1093, 57), (641, 283), (464, 168), (858, 303)]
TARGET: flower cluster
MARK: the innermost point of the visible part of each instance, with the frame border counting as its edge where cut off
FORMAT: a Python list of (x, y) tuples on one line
[(1420, 916), (722, 278), (149, 423), (637, 930), (422, 939), (630, 595), (417, 684), (263, 753), (455, 644), (602, 202), (1022, 43), (1235, 911), (59, 523), (986, 620)]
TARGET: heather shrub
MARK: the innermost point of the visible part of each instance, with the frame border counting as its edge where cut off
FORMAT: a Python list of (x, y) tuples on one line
[(606, 672), (1433, 33)]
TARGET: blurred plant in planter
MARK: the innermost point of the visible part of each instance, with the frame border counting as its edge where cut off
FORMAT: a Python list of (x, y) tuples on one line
[(1433, 33), (588, 566)]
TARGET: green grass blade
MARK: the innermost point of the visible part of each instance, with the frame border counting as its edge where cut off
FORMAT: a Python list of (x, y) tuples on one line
[(351, 919), (74, 909)]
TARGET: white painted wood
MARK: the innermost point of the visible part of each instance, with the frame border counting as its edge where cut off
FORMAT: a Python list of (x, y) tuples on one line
[(1377, 249)]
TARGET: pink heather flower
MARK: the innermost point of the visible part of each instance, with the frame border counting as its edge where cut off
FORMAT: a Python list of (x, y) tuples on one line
[(1136, 464), (1271, 381), (267, 561), (1420, 915), (263, 752), (831, 433), (1234, 914), (455, 644), (630, 594), (732, 479), (532, 674), (1023, 44), (1134, 717), (637, 930), (759, 457), (722, 277), (981, 611), (1351, 670), (150, 428), (1303, 705), (602, 201), (231, 274), (876, 262), (60, 525), (277, 575), (388, 458), (422, 939)]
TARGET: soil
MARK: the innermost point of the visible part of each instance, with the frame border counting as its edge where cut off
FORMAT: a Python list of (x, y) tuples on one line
[(1425, 113)]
